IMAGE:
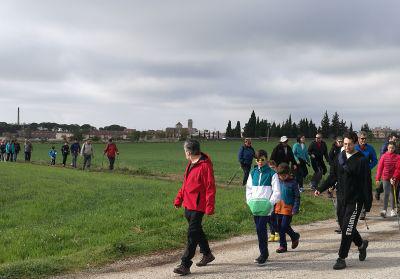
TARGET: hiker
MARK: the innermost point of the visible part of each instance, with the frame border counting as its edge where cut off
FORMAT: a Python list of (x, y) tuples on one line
[(3, 151), (317, 151), (392, 138), (262, 192), (111, 150), (28, 148), (65, 153), (9, 150), (282, 153), (369, 152), (384, 172), (197, 196), (245, 156), (335, 149), (300, 153), (53, 156), (87, 152), (350, 171), (17, 149), (75, 150), (288, 206)]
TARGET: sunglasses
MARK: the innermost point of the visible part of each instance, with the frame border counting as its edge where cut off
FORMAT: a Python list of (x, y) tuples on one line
[(260, 160)]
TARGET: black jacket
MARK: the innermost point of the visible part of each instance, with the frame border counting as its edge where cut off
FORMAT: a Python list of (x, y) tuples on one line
[(319, 153), (65, 150), (335, 150), (351, 179), (280, 156)]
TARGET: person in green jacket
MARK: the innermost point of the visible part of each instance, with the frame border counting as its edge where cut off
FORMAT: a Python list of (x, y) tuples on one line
[(300, 153)]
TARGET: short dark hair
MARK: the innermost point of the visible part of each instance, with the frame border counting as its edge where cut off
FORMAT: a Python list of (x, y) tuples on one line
[(393, 135), (110, 140), (299, 137), (192, 146), (283, 168), (260, 153), (352, 136), (391, 143)]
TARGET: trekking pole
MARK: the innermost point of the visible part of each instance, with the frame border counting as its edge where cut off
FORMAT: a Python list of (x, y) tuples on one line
[(397, 206), (233, 177)]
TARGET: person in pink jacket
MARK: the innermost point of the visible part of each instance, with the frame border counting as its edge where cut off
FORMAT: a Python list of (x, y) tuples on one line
[(385, 171)]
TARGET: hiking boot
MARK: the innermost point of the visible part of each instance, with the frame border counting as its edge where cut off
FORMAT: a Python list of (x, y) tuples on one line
[(362, 215), (363, 250), (383, 213), (276, 237), (295, 243), (271, 238), (340, 264), (206, 259), (393, 213), (281, 250), (182, 270)]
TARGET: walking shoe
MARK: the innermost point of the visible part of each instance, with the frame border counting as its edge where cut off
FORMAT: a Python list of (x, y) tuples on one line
[(295, 243), (262, 261), (377, 196), (281, 250), (362, 215), (338, 230), (182, 270), (206, 259), (271, 238), (393, 213), (276, 238), (257, 259), (340, 264), (363, 250), (383, 213)]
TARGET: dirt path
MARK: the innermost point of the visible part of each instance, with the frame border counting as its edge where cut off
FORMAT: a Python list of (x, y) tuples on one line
[(313, 258)]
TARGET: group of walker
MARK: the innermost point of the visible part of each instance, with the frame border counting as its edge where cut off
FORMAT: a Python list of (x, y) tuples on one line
[(273, 190)]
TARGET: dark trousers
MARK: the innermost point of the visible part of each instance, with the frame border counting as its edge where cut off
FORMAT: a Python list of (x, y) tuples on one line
[(112, 161), (246, 170), (348, 217), (195, 236), (272, 223), (285, 228), (262, 234), (319, 168), (87, 160), (301, 173), (28, 156), (74, 159), (53, 161), (64, 159)]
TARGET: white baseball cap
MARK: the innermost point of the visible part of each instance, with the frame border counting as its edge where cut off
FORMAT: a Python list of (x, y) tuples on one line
[(284, 139)]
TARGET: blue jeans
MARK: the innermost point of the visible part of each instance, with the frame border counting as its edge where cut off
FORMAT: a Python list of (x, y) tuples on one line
[(262, 234), (87, 159), (285, 228)]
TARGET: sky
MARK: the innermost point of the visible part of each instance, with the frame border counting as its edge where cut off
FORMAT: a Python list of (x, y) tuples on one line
[(149, 64)]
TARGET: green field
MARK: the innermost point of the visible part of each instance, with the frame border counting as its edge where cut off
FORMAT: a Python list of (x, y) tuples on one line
[(55, 220)]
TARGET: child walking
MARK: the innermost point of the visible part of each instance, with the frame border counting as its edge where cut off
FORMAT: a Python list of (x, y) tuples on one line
[(53, 155), (262, 192), (287, 207)]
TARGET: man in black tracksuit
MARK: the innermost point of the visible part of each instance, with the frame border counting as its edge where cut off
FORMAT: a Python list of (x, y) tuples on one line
[(350, 172), (317, 151)]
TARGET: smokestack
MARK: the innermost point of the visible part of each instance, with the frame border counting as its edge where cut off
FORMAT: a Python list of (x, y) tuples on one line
[(18, 117)]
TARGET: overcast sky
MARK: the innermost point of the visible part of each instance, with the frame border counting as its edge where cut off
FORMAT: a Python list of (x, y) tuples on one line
[(149, 64)]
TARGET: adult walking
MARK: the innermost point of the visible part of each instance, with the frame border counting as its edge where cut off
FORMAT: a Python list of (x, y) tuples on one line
[(87, 152), (75, 150), (197, 196), (65, 153), (3, 151), (350, 171), (300, 153), (28, 148), (283, 153), (245, 157), (111, 151), (369, 152), (335, 149), (17, 149), (317, 151)]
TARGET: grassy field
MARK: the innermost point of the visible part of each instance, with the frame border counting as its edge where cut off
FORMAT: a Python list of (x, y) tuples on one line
[(55, 220)]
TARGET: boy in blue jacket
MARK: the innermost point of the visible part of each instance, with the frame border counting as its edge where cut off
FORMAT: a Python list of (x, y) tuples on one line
[(53, 155), (262, 192)]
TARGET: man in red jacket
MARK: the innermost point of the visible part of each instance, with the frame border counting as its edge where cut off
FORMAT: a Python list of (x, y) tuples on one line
[(111, 150), (197, 195)]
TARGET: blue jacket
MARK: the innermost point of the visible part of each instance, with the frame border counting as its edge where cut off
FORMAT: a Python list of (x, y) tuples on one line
[(246, 155), (369, 153), (300, 153), (53, 153), (75, 148), (290, 198)]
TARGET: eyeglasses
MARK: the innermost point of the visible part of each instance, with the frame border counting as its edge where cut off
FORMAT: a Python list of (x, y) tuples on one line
[(260, 160), (339, 141)]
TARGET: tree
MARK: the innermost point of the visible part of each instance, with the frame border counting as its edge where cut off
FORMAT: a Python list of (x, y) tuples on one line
[(335, 127), (113, 127), (237, 131), (249, 129), (325, 126), (351, 127), (228, 133)]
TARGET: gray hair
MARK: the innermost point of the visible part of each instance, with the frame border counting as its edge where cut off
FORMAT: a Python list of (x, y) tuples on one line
[(192, 146), (362, 134)]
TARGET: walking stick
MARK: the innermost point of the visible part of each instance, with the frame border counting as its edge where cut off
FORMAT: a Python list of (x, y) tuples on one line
[(397, 205), (233, 177)]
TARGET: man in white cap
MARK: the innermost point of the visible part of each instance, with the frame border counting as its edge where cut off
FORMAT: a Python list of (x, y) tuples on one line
[(283, 153)]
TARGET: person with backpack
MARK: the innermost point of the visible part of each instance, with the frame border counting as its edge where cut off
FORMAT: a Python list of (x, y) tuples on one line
[(65, 153), (87, 152), (111, 151), (75, 151), (245, 157), (28, 148)]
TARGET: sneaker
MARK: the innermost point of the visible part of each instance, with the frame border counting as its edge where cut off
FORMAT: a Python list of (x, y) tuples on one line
[(276, 238), (362, 215), (257, 259), (271, 238), (363, 250), (281, 250), (383, 213), (262, 261), (338, 230), (295, 243), (393, 213), (182, 270), (340, 264), (206, 259)]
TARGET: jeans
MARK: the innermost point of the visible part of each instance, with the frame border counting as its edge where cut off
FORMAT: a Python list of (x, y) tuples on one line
[(388, 191), (195, 236), (285, 228), (74, 159), (87, 159)]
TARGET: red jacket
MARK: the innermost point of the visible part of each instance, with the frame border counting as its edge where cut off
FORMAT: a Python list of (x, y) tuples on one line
[(386, 166), (396, 174), (111, 150), (198, 188)]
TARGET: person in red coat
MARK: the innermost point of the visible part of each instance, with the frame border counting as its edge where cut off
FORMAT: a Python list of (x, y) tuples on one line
[(111, 151), (197, 196)]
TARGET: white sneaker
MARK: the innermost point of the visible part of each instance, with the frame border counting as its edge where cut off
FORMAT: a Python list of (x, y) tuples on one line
[(393, 213), (383, 213)]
